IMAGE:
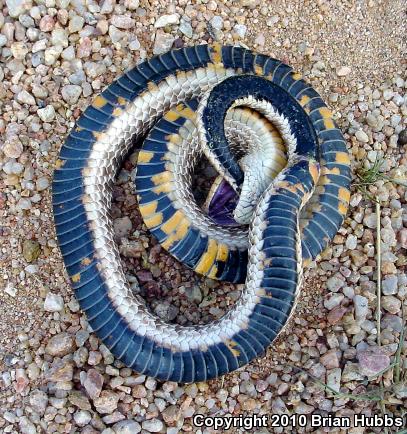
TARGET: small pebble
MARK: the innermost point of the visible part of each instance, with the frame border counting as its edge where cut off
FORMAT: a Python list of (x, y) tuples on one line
[(53, 302)]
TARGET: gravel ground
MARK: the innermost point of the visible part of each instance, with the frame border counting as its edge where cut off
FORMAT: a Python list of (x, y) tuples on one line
[(55, 55)]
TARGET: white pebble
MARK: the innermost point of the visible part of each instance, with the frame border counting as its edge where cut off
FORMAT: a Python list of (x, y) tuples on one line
[(361, 136), (166, 20), (47, 114), (343, 71)]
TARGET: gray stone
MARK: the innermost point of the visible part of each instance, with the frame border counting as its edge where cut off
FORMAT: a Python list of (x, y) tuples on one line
[(333, 300), (215, 27), (351, 242), (240, 30), (11, 290), (391, 303), (17, 7), (217, 22), (37, 59), (93, 383), (81, 337), (71, 93), (31, 250), (372, 120), (278, 406), (361, 307), (122, 21), (51, 54), (107, 7), (115, 34), (24, 97), (302, 408), (186, 28), (334, 284), (42, 183), (388, 236), (78, 399), (393, 322), (76, 24), (82, 417), (134, 45), (401, 390), (94, 69), (10, 417), (60, 345), (59, 37), (126, 427), (351, 372), (68, 53), (40, 91), (163, 42), (122, 226), (361, 136), (333, 379), (106, 402), (53, 302), (46, 114), (372, 361), (388, 94), (26, 426), (78, 77), (24, 203), (194, 294), (153, 425), (343, 71), (166, 20), (389, 285), (330, 359), (38, 401), (166, 311), (26, 20)]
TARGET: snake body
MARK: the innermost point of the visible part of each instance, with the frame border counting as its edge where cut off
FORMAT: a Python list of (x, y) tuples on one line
[(178, 98)]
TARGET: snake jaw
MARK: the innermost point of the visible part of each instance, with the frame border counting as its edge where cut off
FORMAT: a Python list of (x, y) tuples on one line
[(250, 191), (257, 177)]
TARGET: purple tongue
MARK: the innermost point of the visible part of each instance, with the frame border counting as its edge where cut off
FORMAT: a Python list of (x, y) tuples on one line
[(222, 205)]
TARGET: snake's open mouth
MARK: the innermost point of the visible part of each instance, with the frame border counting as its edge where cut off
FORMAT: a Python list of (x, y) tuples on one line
[(182, 99), (222, 204)]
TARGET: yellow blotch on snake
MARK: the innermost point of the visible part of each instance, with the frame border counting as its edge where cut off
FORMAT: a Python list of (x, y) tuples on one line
[(171, 224), (207, 259), (230, 344), (178, 234), (76, 277), (148, 209), (99, 101), (145, 156)]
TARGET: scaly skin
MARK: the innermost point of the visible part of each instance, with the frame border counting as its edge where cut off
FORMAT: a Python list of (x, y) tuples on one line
[(89, 162)]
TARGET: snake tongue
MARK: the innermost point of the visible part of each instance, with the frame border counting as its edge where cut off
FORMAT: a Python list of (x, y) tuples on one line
[(222, 205)]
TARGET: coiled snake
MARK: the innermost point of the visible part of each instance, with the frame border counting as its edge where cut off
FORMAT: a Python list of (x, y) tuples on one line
[(285, 153)]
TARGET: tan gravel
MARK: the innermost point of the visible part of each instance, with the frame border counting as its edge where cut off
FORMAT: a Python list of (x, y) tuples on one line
[(348, 50)]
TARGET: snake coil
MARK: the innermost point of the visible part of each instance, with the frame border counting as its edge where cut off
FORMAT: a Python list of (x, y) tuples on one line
[(286, 157)]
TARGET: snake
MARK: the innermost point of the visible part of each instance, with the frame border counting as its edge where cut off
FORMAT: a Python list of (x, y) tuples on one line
[(281, 193)]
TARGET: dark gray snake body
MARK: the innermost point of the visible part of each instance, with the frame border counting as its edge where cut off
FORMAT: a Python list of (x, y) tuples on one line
[(292, 220)]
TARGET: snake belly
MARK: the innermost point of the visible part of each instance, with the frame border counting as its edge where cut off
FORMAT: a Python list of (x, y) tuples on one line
[(294, 220)]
